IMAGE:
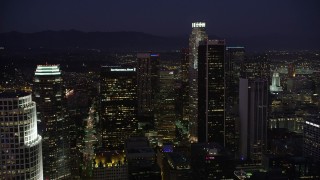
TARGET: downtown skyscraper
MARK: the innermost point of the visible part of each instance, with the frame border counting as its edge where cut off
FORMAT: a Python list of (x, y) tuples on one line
[(184, 90), (148, 73), (211, 91), (198, 34), (311, 133), (253, 112), (118, 105), (235, 57), (254, 108), (20, 144), (165, 115), (48, 93)]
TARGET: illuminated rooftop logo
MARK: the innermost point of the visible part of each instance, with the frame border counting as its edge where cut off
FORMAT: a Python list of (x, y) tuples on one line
[(198, 24), (123, 70), (46, 70)]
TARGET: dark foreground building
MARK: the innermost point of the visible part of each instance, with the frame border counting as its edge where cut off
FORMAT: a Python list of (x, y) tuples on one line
[(211, 161)]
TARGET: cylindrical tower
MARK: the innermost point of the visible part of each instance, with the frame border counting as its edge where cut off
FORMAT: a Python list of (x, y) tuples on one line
[(20, 147)]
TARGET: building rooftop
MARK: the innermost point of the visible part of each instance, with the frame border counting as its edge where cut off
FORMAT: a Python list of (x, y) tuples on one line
[(45, 70), (109, 159), (140, 150), (13, 94), (177, 158)]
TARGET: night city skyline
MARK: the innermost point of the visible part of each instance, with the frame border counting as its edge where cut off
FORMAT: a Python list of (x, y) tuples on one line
[(172, 90)]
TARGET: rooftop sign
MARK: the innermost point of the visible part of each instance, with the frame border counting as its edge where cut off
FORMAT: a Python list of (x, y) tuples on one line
[(198, 24), (123, 70)]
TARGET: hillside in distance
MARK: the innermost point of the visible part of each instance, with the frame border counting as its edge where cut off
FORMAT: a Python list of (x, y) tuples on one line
[(138, 41), (112, 41)]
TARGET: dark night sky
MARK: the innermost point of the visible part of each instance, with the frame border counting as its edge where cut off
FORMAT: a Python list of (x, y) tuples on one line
[(228, 18)]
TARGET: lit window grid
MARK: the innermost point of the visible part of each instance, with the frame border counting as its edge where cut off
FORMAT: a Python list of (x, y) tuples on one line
[(19, 140), (311, 140)]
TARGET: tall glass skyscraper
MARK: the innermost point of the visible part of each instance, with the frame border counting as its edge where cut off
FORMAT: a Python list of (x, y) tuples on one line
[(311, 134), (148, 71), (211, 92), (253, 112), (118, 91), (165, 115), (49, 95), (20, 144), (198, 34), (235, 57)]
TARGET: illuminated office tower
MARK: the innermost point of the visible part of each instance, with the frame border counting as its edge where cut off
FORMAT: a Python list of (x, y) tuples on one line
[(20, 144), (147, 81), (48, 93), (211, 91), (311, 137), (197, 34), (184, 89), (185, 65), (165, 115), (253, 111), (234, 58), (118, 93)]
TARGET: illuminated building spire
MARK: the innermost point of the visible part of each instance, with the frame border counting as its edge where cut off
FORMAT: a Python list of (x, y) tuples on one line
[(198, 34)]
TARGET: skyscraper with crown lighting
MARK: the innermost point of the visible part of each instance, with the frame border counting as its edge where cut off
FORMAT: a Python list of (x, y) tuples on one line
[(198, 34), (48, 93)]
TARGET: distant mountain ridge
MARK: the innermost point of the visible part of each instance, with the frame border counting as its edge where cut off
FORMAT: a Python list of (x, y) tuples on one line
[(138, 41), (90, 40)]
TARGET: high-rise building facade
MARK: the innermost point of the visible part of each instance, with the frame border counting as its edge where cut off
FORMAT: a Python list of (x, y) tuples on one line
[(211, 91), (185, 65), (253, 111), (48, 93), (235, 56), (118, 91), (184, 88), (165, 114), (198, 34), (311, 137), (20, 144), (147, 81)]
